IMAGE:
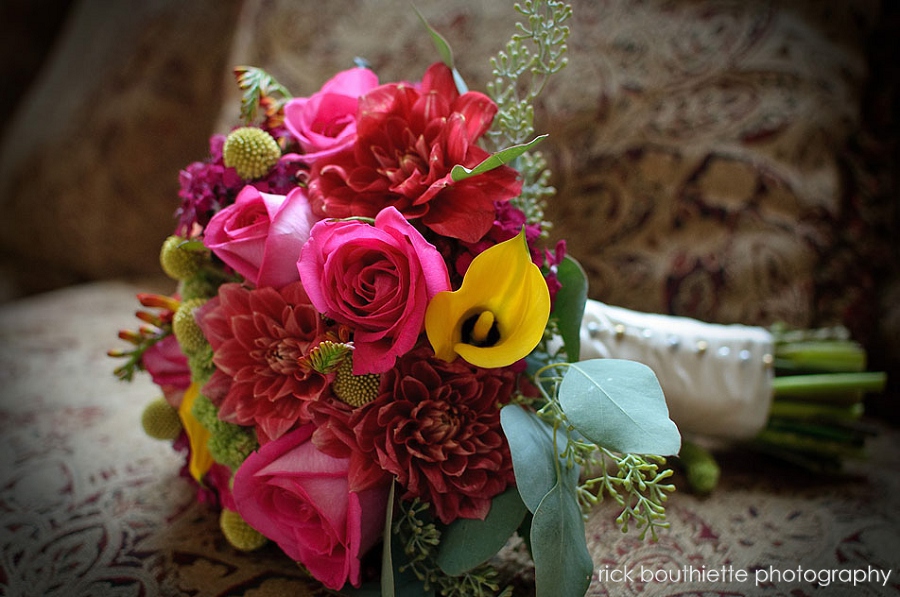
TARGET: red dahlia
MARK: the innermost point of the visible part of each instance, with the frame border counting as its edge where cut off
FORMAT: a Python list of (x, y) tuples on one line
[(408, 139), (436, 428), (258, 337)]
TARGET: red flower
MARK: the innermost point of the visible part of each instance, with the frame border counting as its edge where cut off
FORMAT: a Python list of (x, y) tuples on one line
[(436, 428), (258, 337), (408, 139)]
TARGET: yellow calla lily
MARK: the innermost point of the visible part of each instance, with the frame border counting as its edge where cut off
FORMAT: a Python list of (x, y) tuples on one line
[(499, 313), (198, 435)]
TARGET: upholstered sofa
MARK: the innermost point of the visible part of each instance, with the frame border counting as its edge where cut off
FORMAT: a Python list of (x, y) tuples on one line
[(727, 161)]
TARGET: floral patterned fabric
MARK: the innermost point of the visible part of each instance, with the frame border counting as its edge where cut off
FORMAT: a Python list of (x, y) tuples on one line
[(90, 506)]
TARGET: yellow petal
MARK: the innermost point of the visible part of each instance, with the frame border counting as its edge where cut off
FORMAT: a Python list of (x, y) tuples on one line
[(198, 435), (502, 286)]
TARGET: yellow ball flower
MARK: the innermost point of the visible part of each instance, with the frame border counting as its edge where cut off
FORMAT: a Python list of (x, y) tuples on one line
[(252, 152), (189, 335), (240, 534), (160, 420), (355, 390)]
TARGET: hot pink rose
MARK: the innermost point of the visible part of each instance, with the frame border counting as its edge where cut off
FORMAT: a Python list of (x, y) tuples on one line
[(325, 122), (376, 279), (167, 366), (260, 235), (300, 498)]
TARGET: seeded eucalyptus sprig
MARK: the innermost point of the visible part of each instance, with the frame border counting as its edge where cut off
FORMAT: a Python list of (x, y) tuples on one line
[(419, 539), (535, 52), (636, 484), (634, 481)]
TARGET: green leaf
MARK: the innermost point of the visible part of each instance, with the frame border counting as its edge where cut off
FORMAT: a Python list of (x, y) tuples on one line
[(495, 160), (444, 51), (569, 305), (619, 405), (531, 445), (467, 543), (562, 563), (257, 85), (387, 564)]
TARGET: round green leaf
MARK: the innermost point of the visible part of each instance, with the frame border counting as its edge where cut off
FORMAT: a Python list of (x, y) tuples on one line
[(562, 563), (531, 445), (467, 543), (619, 405)]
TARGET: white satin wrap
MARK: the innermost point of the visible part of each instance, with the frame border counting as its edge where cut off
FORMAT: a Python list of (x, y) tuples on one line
[(715, 378)]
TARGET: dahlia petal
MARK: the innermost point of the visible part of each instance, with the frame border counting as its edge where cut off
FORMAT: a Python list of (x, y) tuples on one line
[(439, 78), (466, 209), (457, 141), (477, 111), (430, 106)]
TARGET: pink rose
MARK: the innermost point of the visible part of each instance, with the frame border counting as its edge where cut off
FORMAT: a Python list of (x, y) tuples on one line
[(376, 279), (325, 122), (168, 367), (301, 499), (260, 235)]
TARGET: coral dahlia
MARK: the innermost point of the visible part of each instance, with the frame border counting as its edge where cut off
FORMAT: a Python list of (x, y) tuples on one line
[(258, 338)]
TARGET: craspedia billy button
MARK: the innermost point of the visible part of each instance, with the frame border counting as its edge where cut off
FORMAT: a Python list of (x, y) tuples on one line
[(240, 534), (178, 262), (252, 152), (189, 335), (160, 420), (355, 390)]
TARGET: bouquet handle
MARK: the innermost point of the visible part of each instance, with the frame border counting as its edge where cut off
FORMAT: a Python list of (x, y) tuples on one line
[(717, 379)]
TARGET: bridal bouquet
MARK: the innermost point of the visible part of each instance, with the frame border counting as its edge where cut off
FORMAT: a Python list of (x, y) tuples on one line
[(370, 351)]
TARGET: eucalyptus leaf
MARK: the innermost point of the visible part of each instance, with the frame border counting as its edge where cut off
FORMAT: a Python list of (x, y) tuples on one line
[(619, 405), (562, 563), (495, 160), (530, 444), (467, 543), (569, 304), (387, 564)]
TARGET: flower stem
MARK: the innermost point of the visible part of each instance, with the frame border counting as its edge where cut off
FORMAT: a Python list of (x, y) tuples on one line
[(821, 355), (829, 388), (790, 409)]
